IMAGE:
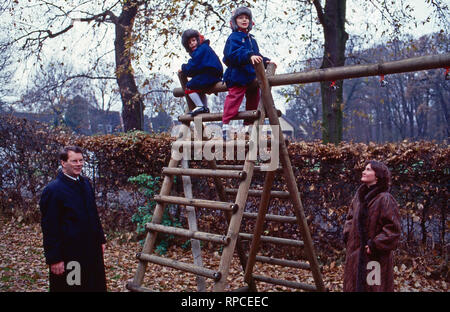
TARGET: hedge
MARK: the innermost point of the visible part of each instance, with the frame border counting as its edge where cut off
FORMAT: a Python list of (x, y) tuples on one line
[(327, 178)]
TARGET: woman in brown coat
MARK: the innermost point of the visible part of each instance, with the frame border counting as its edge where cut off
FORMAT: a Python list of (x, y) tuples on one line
[(371, 233)]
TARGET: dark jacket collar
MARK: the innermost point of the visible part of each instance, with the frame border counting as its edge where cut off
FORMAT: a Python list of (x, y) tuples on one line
[(368, 193), (65, 178)]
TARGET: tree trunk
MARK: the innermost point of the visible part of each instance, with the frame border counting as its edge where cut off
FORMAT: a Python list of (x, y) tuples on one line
[(332, 19), (423, 226), (443, 227), (132, 103), (445, 112)]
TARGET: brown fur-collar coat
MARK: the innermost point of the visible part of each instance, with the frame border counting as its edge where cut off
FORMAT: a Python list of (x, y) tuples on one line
[(373, 217)]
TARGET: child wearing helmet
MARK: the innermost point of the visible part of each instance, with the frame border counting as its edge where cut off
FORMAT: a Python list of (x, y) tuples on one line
[(240, 53), (204, 67)]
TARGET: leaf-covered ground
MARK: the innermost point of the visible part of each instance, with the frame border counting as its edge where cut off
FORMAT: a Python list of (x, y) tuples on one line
[(23, 268)]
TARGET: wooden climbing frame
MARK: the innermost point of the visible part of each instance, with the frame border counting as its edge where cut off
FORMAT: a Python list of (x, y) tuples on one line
[(235, 210)]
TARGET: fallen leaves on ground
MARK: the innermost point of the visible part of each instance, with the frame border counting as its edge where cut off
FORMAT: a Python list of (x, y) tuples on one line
[(23, 268)]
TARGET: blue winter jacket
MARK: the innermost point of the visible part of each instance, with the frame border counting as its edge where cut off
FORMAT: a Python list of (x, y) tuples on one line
[(240, 46), (204, 67)]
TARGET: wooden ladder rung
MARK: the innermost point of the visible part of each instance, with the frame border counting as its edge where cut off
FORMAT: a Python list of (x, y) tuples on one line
[(201, 144), (271, 217), (281, 282), (175, 264), (241, 289), (274, 240), (201, 203), (131, 287), (258, 193), (241, 167), (215, 238), (284, 262), (205, 172), (246, 115)]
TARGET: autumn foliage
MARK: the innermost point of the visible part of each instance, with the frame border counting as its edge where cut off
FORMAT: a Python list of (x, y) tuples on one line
[(327, 177)]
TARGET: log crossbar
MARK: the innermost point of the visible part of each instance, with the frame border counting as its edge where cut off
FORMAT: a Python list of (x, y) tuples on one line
[(132, 287), (272, 217), (215, 238), (187, 267), (205, 173), (246, 115), (286, 283), (274, 240), (259, 193), (239, 145), (201, 203), (284, 262), (240, 167), (351, 71)]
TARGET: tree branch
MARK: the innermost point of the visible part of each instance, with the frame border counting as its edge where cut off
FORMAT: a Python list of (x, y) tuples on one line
[(210, 8), (42, 35), (90, 77), (320, 13)]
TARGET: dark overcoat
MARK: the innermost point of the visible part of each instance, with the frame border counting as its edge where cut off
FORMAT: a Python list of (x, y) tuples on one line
[(72, 232), (381, 229)]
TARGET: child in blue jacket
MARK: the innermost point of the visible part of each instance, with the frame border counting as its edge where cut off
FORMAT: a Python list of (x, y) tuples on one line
[(204, 67), (240, 53)]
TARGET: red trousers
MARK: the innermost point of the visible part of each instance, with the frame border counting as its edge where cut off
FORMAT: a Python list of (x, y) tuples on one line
[(234, 100)]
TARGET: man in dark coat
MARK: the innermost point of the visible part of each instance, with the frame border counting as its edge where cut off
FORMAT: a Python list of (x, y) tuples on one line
[(73, 236)]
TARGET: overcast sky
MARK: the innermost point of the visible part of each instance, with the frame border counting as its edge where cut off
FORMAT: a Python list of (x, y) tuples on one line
[(284, 51)]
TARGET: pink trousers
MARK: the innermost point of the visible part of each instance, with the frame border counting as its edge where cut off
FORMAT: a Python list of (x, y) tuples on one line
[(234, 100)]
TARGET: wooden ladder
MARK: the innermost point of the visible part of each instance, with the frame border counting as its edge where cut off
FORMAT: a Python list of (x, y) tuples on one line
[(234, 211)]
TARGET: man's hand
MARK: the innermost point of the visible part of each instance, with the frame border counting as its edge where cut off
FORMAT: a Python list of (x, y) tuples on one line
[(256, 59), (367, 250), (57, 268)]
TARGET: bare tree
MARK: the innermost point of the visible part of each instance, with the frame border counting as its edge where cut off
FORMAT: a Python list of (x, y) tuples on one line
[(134, 28), (410, 106), (6, 74), (50, 90), (304, 109), (131, 20), (332, 17), (157, 93)]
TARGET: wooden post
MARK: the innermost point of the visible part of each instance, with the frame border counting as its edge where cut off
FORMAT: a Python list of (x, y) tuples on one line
[(212, 164), (192, 221), (236, 220), (157, 218), (187, 188), (264, 204), (234, 225), (268, 102), (259, 227)]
